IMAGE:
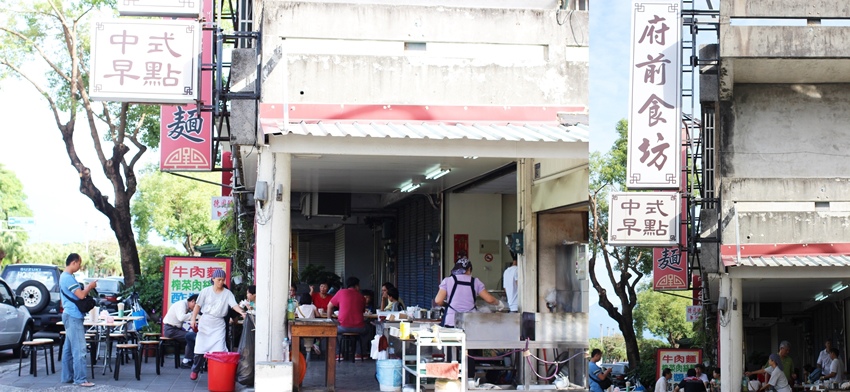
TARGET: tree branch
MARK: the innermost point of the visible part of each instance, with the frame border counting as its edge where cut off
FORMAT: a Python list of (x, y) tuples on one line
[(53, 107), (40, 52)]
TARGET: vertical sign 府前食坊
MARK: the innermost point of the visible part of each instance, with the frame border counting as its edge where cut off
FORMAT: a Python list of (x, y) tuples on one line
[(644, 219), (655, 127), (148, 61)]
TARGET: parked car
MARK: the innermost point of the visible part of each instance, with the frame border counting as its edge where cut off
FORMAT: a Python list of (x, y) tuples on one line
[(108, 292), (17, 325), (38, 285), (619, 372)]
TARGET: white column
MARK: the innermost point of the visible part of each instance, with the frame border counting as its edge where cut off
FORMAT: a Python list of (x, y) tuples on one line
[(272, 271), (731, 334)]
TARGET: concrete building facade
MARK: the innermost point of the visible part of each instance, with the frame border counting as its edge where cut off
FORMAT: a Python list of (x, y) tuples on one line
[(365, 98), (779, 271)]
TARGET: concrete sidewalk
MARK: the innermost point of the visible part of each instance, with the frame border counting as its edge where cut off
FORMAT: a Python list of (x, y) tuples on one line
[(358, 376)]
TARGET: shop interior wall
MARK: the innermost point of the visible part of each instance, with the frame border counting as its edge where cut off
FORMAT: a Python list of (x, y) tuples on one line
[(480, 216), (315, 248), (553, 229), (357, 254)]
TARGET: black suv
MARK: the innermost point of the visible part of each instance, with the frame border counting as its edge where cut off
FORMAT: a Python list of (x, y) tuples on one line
[(38, 285)]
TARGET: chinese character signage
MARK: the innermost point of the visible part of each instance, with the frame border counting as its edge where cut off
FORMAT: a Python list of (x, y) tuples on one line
[(669, 269), (175, 8), (186, 132), (678, 360), (151, 61), (654, 103), (220, 206), (693, 313), (644, 218), (185, 276)]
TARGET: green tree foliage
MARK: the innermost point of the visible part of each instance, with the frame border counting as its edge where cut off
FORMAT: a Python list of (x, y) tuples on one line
[(12, 204), (662, 315), (624, 266), (647, 369), (237, 242), (46, 43), (176, 208)]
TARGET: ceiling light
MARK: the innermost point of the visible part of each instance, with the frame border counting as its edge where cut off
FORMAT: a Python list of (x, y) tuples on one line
[(821, 296), (839, 287), (437, 173), (410, 187), (470, 157)]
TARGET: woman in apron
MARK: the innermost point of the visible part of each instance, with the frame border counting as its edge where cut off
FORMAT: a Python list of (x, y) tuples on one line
[(214, 301)]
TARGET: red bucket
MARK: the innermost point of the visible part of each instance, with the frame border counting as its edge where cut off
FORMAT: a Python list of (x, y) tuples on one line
[(221, 371)]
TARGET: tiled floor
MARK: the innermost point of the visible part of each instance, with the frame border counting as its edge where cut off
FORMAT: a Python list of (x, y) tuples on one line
[(358, 376)]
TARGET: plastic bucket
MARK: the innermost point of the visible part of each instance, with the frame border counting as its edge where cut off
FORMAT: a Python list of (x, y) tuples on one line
[(221, 371), (389, 374)]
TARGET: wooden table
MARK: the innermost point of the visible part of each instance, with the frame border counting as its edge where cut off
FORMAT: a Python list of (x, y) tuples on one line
[(314, 328)]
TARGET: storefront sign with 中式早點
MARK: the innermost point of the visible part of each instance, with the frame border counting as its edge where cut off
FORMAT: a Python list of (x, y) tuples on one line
[(655, 126), (144, 60), (644, 218)]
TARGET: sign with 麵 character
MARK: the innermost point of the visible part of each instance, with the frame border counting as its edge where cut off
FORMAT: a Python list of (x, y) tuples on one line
[(644, 218), (186, 132), (175, 8), (655, 126), (185, 276), (151, 61), (669, 269), (679, 360)]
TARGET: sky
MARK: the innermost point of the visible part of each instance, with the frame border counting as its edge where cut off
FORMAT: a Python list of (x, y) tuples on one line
[(31, 145)]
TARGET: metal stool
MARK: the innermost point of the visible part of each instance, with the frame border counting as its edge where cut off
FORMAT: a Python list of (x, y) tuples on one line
[(348, 346), (121, 350), (34, 345), (93, 344), (165, 342), (145, 346), (117, 337)]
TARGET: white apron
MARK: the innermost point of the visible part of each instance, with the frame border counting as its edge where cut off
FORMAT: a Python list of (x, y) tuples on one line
[(211, 326), (210, 335)]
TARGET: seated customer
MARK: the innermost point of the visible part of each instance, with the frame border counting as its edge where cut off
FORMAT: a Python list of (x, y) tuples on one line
[(306, 309), (367, 296), (692, 383), (393, 303), (351, 306), (179, 313)]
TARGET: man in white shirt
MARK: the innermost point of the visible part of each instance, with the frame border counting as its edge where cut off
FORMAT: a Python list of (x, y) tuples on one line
[(823, 362), (178, 313), (836, 368), (662, 384), (510, 283)]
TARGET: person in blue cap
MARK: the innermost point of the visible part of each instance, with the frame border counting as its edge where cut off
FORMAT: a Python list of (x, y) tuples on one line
[(214, 301)]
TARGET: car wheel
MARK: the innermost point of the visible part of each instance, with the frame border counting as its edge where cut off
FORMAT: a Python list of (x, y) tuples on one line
[(35, 295), (25, 336)]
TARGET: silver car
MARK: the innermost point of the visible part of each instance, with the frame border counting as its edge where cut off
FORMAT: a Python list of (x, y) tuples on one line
[(16, 324)]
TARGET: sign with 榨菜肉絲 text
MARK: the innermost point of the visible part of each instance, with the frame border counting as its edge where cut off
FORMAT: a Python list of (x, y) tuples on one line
[(644, 218), (150, 61), (655, 126)]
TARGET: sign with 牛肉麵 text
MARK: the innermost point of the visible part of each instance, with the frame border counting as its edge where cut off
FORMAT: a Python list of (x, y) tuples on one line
[(185, 276), (644, 218), (655, 126), (144, 60), (679, 360)]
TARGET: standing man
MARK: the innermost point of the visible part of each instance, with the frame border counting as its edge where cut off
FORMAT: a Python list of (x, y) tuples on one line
[(74, 351), (351, 306), (662, 384), (594, 372), (510, 283), (823, 361), (787, 364), (179, 313)]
